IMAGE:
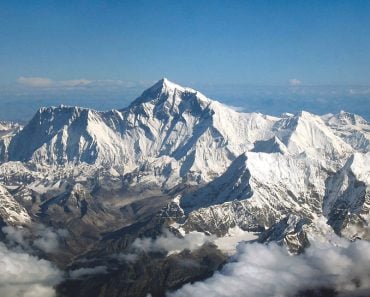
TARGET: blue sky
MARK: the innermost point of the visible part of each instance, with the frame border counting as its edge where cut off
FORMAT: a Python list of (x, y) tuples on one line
[(51, 48), (255, 42)]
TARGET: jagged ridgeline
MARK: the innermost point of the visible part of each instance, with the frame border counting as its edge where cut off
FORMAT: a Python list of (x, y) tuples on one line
[(178, 160)]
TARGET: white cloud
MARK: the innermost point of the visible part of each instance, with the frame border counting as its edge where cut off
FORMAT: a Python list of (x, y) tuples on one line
[(170, 243), (74, 83), (87, 271), (44, 82), (295, 82), (23, 275), (42, 238), (359, 91), (129, 258), (35, 82), (48, 240), (268, 270)]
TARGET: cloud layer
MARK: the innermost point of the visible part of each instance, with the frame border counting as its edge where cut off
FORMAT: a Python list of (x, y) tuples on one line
[(268, 270), (82, 83), (44, 82)]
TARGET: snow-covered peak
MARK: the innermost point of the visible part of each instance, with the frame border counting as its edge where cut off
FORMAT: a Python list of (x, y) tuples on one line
[(167, 91)]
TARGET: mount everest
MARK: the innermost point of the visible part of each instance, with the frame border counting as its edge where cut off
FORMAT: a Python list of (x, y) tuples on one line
[(177, 159)]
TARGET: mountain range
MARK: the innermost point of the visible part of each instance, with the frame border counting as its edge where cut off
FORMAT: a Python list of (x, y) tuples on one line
[(105, 182)]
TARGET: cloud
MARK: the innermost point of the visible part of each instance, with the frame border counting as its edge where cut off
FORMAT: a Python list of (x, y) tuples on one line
[(295, 82), (16, 237), (359, 91), (35, 82), (43, 82), (170, 243), (48, 240), (42, 238), (129, 258), (24, 275), (81, 272), (269, 270)]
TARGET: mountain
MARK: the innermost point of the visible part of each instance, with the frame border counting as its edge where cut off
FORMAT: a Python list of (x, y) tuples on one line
[(179, 125), (172, 137), (177, 160)]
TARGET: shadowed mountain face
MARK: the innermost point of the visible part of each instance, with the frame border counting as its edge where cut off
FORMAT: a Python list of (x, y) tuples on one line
[(145, 199)]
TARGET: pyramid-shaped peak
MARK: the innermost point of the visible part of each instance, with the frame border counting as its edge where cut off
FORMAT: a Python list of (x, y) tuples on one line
[(165, 88), (166, 84)]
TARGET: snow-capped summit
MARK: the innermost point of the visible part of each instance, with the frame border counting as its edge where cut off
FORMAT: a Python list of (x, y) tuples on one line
[(165, 99), (162, 88)]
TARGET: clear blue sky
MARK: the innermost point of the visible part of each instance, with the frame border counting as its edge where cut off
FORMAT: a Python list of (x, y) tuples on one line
[(251, 42)]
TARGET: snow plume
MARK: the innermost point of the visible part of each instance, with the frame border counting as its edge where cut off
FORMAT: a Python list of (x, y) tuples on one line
[(23, 275), (269, 270), (170, 243)]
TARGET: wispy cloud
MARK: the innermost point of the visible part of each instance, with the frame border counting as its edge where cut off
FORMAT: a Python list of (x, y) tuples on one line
[(295, 82), (82, 272), (359, 91), (48, 83), (170, 243), (44, 82)]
